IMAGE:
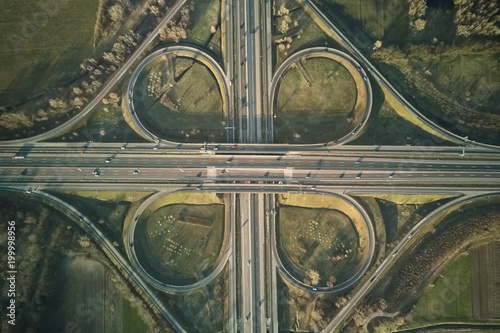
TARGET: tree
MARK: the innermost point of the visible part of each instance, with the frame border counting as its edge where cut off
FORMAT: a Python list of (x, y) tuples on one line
[(313, 277), (116, 13), (84, 241)]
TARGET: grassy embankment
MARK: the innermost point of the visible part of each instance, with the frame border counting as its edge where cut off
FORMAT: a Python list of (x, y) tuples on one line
[(399, 213)]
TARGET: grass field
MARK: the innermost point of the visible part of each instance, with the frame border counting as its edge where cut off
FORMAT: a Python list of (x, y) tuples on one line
[(375, 16), (323, 233), (448, 298), (88, 300), (302, 119), (181, 241), (485, 280), (42, 48), (186, 107), (471, 76), (320, 239)]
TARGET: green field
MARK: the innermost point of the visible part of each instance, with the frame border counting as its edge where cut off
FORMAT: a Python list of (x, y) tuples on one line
[(178, 249), (88, 297), (42, 48), (375, 16), (183, 107), (448, 298), (302, 119), (470, 74), (320, 239)]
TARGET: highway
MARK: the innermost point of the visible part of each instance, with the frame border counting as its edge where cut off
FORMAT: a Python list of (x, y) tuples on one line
[(251, 171), (247, 262), (208, 168)]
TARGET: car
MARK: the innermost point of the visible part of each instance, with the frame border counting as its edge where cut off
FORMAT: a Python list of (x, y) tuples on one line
[(124, 146), (333, 143), (391, 175), (136, 171), (314, 289), (28, 191), (108, 159), (233, 146), (313, 188), (96, 172), (358, 176), (198, 188), (155, 147), (365, 78), (249, 261)]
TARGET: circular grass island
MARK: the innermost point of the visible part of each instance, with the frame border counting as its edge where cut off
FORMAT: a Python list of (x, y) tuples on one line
[(320, 98), (177, 241), (179, 99), (321, 239)]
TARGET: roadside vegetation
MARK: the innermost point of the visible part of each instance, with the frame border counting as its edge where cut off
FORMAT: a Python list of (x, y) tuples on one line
[(294, 29), (205, 309), (329, 115), (51, 252), (303, 310), (472, 223), (179, 99), (458, 84), (441, 54)]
